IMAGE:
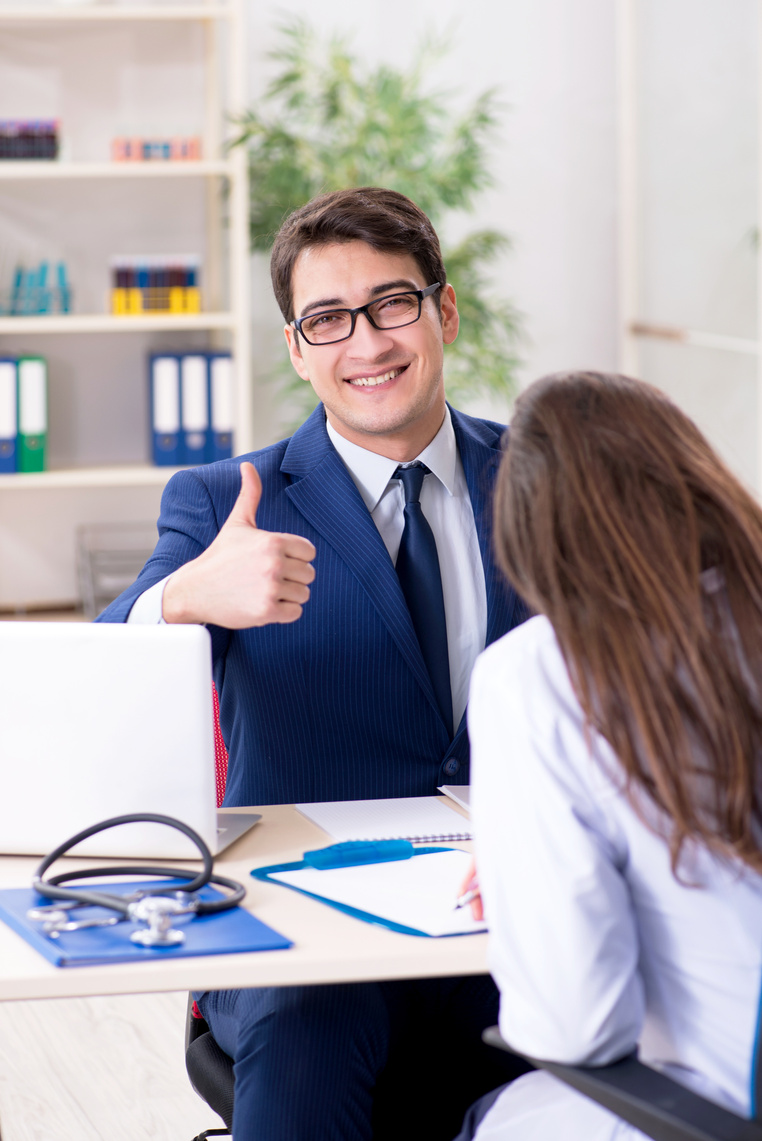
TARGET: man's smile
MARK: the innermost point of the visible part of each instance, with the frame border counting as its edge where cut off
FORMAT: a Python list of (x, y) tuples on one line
[(374, 381)]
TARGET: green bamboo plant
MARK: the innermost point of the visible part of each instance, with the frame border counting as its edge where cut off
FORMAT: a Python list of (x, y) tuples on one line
[(328, 121)]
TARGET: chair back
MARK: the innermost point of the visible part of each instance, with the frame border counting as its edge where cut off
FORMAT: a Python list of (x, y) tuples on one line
[(756, 1068), (647, 1099)]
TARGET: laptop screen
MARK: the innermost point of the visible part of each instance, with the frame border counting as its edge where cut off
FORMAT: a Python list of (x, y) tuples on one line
[(97, 720)]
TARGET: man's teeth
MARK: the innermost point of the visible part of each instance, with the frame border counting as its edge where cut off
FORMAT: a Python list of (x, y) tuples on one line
[(372, 381)]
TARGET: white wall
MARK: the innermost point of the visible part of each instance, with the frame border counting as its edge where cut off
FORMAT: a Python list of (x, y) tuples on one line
[(698, 189)]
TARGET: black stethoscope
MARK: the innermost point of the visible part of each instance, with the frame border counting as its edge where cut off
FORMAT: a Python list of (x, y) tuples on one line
[(153, 907)]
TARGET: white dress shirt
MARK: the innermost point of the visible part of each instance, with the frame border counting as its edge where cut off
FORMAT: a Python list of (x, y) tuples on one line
[(594, 944), (447, 506)]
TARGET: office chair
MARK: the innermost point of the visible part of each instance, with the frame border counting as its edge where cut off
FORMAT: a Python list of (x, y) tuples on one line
[(658, 1106), (209, 1068)]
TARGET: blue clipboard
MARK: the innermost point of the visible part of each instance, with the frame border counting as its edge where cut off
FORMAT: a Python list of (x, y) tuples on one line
[(227, 932), (350, 854)]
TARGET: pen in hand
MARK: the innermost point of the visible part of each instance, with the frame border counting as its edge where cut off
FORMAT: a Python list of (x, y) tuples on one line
[(469, 893), (466, 898)]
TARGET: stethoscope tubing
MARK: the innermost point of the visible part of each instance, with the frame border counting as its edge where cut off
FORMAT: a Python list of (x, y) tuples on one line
[(52, 888)]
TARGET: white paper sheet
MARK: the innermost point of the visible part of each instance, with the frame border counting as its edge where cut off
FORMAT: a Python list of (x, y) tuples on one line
[(422, 819)]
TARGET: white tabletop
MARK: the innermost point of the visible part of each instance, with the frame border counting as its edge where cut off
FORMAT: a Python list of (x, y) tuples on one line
[(328, 946)]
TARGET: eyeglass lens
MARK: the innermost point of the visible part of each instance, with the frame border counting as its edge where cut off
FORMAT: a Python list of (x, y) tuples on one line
[(386, 313)]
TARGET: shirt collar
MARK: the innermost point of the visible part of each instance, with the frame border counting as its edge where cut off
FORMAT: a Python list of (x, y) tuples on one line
[(372, 472)]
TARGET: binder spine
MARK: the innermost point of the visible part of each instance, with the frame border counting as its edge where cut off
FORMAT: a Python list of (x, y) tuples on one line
[(32, 413), (194, 409), (164, 391), (221, 406), (8, 414)]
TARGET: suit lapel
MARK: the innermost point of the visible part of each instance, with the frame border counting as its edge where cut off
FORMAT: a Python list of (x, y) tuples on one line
[(325, 494), (480, 463)]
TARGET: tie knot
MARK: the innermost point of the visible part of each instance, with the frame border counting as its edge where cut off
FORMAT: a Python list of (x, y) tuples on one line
[(412, 480)]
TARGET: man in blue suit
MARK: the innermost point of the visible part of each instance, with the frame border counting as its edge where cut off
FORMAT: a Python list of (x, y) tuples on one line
[(329, 688)]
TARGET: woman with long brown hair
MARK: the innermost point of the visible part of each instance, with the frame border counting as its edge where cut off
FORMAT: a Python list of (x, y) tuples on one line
[(617, 754)]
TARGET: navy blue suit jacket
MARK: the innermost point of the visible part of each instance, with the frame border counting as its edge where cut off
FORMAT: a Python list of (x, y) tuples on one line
[(337, 705)]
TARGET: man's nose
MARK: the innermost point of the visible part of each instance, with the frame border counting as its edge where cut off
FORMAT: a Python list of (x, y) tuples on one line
[(368, 339)]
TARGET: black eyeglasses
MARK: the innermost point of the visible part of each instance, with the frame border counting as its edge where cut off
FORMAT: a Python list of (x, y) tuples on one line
[(391, 312)]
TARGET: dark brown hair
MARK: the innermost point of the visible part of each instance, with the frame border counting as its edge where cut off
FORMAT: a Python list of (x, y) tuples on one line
[(617, 520), (382, 218)]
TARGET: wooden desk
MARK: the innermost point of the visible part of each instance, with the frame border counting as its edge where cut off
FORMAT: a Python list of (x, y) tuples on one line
[(328, 947)]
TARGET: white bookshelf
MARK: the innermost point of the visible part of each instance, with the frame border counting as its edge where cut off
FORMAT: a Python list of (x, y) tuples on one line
[(73, 493)]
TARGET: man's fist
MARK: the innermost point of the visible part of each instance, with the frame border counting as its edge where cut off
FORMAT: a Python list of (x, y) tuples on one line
[(246, 577)]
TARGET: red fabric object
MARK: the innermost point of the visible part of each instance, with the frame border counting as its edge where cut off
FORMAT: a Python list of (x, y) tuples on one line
[(195, 1012), (220, 752)]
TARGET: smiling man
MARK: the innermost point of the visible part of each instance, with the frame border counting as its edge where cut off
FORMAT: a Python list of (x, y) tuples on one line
[(347, 579)]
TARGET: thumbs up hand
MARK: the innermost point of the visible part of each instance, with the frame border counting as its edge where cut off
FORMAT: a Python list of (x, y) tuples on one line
[(246, 577), (245, 507)]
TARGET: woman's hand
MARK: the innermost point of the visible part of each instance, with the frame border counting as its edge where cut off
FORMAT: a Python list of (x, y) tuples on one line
[(470, 888)]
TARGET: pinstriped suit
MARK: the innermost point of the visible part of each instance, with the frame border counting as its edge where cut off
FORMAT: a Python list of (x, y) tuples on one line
[(338, 705)]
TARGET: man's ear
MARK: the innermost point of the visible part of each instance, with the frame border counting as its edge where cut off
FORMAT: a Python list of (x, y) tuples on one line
[(450, 316), (295, 352)]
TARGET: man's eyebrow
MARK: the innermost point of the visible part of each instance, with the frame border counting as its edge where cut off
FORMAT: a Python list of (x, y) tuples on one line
[(391, 286), (323, 303), (377, 291)]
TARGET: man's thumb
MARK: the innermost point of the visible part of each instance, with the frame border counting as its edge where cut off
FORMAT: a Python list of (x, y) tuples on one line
[(245, 506)]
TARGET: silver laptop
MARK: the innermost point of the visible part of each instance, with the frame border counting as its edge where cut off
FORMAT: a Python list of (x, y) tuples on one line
[(103, 720)]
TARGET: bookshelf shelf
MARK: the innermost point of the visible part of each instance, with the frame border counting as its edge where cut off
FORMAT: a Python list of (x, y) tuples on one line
[(125, 475), (105, 323), (30, 14), (32, 170)]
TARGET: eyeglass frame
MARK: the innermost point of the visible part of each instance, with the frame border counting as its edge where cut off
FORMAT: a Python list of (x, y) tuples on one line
[(420, 294)]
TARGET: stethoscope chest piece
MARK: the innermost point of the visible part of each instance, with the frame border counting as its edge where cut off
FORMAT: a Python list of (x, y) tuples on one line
[(157, 913)]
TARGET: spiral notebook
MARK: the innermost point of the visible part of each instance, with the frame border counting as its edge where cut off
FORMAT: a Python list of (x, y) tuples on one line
[(420, 819)]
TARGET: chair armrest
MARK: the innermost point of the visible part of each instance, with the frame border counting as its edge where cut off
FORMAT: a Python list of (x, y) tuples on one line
[(660, 1107)]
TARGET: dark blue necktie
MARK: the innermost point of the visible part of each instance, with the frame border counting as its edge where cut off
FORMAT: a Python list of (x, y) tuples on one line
[(421, 582)]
